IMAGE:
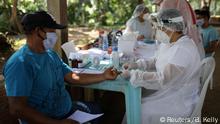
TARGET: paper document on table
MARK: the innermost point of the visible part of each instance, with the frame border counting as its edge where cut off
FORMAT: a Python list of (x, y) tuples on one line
[(83, 117)]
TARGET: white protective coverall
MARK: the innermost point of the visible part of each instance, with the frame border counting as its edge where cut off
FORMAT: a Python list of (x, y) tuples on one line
[(189, 19), (174, 73)]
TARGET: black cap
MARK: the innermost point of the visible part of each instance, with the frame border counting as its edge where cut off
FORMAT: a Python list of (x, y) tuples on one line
[(202, 12), (40, 19)]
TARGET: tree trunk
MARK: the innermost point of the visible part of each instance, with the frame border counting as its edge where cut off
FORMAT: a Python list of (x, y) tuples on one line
[(205, 3), (14, 19), (209, 2), (140, 1)]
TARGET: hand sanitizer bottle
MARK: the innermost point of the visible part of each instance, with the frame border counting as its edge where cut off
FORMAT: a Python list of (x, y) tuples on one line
[(115, 58)]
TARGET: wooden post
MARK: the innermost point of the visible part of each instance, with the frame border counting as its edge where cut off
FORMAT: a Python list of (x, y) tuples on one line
[(58, 8)]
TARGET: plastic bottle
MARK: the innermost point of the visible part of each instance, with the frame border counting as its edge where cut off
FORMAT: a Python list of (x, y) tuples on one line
[(100, 42), (115, 58), (105, 42), (114, 42)]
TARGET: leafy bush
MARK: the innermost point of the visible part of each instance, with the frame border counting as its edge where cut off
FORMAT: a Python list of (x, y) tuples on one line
[(4, 23), (101, 12), (5, 43), (27, 6), (95, 12), (89, 12), (24, 6)]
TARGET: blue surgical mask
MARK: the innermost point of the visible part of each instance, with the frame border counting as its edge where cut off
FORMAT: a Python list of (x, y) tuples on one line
[(50, 40), (200, 22)]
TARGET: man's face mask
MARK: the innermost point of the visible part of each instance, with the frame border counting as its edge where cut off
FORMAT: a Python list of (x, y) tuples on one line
[(200, 22), (162, 36), (50, 41)]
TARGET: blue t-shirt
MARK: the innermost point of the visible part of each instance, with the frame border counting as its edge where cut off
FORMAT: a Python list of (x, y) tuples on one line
[(209, 34), (40, 77)]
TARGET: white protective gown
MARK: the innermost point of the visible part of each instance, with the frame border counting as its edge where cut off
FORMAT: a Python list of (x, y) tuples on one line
[(142, 28), (174, 73), (189, 17)]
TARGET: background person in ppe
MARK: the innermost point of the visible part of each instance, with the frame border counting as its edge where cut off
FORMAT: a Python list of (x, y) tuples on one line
[(35, 76), (189, 19), (209, 33), (139, 23), (174, 72)]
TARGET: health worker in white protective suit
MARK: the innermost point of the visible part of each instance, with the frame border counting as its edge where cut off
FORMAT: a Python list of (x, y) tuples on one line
[(174, 72), (139, 23), (189, 18)]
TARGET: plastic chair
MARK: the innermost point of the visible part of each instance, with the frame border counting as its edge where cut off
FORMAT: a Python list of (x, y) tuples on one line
[(19, 121), (68, 47), (211, 80), (208, 67), (217, 45)]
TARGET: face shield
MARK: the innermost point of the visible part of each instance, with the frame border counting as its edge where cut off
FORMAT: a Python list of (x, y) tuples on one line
[(171, 24)]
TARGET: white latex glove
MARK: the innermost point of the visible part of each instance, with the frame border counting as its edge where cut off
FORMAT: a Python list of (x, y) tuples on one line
[(128, 66), (125, 74)]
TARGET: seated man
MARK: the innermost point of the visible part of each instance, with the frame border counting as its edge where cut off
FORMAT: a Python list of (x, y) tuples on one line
[(209, 34), (35, 75)]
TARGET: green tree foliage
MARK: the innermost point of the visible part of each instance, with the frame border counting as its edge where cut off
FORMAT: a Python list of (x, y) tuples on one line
[(5, 12), (214, 7), (24, 6), (101, 12), (27, 6), (4, 23), (88, 12)]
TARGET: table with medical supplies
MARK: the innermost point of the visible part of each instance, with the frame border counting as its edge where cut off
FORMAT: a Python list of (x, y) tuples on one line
[(132, 94)]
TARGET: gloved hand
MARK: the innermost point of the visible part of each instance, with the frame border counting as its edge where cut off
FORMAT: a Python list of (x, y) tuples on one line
[(125, 74), (128, 66)]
